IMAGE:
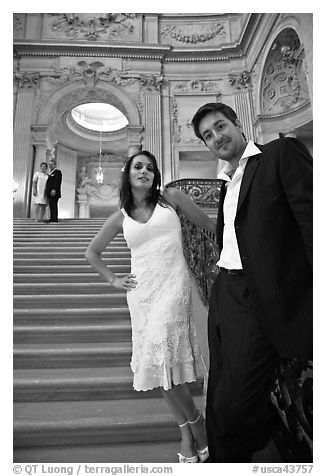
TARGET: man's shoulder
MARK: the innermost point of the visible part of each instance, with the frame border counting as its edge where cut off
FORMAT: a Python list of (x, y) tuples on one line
[(280, 143)]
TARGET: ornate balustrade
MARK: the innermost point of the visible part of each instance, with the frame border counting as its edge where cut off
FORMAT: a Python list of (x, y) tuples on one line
[(292, 394), (200, 248)]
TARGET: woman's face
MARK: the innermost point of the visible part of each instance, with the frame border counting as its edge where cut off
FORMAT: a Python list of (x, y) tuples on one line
[(43, 168), (141, 174)]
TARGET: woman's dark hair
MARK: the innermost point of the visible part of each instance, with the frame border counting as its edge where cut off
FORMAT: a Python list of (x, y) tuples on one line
[(44, 163), (154, 196), (208, 108)]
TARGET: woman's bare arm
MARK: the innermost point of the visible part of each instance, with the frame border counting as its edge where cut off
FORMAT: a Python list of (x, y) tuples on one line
[(194, 213), (107, 233)]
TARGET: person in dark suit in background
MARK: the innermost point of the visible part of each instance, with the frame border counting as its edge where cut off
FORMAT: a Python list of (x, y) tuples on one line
[(261, 301), (53, 190)]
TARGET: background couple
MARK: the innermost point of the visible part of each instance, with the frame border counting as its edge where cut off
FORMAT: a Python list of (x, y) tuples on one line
[(47, 191)]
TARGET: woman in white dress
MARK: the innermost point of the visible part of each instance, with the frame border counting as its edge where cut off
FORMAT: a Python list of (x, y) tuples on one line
[(39, 181), (165, 349)]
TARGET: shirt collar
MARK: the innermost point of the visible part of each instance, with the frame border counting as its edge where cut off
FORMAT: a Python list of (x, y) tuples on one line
[(250, 150)]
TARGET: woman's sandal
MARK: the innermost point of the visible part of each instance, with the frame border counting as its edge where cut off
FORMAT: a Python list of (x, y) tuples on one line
[(203, 454), (186, 459)]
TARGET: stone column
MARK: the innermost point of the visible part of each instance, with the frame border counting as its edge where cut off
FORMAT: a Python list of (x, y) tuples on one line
[(152, 125), (41, 144), (134, 139), (306, 20), (67, 163), (243, 101), (22, 143), (243, 106)]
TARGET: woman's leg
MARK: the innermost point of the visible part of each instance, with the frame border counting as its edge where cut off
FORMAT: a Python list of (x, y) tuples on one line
[(183, 408), (38, 210), (42, 211)]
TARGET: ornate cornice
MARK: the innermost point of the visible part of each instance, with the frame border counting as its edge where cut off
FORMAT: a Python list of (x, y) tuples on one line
[(79, 48)]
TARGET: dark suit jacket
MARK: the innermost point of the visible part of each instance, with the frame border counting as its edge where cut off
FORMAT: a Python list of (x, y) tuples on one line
[(54, 183), (274, 232)]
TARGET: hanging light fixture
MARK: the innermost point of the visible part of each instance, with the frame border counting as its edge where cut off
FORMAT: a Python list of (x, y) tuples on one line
[(99, 172)]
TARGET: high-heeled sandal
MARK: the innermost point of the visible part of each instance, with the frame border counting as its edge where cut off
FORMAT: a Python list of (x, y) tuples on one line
[(203, 454), (186, 459)]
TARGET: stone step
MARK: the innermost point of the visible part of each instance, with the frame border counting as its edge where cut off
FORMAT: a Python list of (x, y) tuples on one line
[(114, 331), (49, 241), (60, 226), (63, 232), (28, 248), (69, 355), (31, 256), (62, 220), (70, 300), (72, 316), (143, 452), (63, 288), (32, 385), (57, 268), (94, 422), (52, 261), (92, 277)]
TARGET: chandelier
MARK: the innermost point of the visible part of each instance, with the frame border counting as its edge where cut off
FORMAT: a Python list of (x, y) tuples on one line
[(99, 171)]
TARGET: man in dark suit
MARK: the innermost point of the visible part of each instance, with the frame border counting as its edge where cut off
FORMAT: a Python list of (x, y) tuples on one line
[(53, 190), (261, 301)]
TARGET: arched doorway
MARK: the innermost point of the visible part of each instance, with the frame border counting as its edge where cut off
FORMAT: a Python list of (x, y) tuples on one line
[(80, 149)]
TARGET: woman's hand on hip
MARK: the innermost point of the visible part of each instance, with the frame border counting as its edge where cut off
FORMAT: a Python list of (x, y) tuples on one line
[(127, 282)]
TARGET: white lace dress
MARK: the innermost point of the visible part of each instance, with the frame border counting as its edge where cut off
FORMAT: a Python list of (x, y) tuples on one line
[(165, 348)]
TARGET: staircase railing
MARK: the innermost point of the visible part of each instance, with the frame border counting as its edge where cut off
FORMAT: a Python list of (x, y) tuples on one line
[(292, 394), (200, 247)]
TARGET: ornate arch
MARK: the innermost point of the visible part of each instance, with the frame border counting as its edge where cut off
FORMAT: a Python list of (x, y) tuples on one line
[(72, 94)]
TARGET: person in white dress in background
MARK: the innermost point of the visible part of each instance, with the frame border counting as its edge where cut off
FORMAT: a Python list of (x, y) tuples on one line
[(165, 351), (39, 182)]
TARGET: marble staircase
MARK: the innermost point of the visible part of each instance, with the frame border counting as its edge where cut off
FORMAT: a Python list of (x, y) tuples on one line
[(73, 396)]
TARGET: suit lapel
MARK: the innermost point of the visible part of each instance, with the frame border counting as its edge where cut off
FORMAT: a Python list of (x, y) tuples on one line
[(248, 174)]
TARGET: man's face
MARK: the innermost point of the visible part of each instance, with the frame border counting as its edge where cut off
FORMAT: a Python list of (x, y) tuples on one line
[(51, 165), (222, 137)]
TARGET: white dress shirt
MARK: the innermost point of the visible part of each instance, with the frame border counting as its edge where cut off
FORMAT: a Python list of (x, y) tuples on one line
[(230, 256)]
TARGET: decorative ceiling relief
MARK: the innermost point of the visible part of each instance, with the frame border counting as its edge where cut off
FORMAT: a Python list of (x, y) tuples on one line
[(240, 80), (19, 25), (284, 85), (92, 73), (196, 86), (93, 26), (189, 34)]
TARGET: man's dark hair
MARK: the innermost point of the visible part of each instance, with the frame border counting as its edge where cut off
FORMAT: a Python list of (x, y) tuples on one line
[(208, 108)]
